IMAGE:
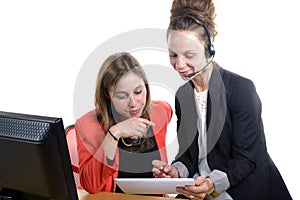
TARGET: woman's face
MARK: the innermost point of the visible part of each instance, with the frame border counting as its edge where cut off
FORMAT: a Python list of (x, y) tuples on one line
[(129, 96), (186, 52)]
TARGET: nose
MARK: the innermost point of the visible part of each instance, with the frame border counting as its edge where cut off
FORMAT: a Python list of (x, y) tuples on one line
[(132, 101), (179, 62)]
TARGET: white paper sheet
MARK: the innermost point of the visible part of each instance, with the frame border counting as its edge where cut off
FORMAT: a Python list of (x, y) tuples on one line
[(152, 185)]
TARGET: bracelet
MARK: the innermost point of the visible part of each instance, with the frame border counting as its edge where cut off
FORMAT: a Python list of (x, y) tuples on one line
[(212, 192), (113, 135)]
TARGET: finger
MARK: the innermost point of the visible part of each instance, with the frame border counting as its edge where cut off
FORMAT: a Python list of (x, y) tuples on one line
[(143, 125), (146, 121), (158, 164), (166, 171), (192, 197), (167, 168), (181, 190), (196, 189), (141, 129), (199, 180), (158, 169), (162, 173), (134, 137), (192, 189), (203, 184), (155, 171), (139, 135), (189, 194)]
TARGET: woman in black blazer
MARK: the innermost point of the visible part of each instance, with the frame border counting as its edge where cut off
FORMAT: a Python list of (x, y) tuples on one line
[(220, 131)]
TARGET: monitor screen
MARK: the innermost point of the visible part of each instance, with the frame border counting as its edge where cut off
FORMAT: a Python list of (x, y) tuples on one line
[(34, 158)]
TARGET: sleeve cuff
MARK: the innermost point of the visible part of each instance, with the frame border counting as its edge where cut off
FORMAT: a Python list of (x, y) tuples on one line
[(220, 180), (182, 170)]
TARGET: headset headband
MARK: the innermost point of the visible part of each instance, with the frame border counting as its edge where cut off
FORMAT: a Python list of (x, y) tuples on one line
[(211, 49)]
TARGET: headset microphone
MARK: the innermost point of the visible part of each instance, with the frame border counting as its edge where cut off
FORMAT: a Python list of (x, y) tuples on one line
[(205, 68)]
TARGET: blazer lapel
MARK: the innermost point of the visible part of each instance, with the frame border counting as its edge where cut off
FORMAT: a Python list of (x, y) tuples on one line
[(216, 108), (187, 130)]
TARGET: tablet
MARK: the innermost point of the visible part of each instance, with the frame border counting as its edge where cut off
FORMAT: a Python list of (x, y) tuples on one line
[(152, 185)]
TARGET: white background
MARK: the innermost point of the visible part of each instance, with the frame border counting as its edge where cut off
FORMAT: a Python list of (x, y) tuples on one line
[(43, 45)]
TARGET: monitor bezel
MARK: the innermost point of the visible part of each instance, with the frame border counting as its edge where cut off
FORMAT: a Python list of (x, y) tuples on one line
[(35, 166)]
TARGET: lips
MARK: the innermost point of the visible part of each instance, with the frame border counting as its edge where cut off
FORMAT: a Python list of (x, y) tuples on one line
[(134, 112), (185, 73)]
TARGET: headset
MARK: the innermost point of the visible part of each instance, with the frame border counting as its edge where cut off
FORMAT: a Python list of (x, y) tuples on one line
[(211, 49)]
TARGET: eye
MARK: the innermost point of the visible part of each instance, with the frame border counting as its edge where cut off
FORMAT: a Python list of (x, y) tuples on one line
[(137, 92), (121, 96), (173, 55), (189, 56)]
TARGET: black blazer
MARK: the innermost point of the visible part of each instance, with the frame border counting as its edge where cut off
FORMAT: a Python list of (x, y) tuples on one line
[(235, 137)]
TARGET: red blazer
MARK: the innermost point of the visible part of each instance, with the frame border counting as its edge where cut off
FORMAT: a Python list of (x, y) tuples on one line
[(95, 174)]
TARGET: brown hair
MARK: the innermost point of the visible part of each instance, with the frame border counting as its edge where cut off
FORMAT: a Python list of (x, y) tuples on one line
[(111, 71), (185, 16)]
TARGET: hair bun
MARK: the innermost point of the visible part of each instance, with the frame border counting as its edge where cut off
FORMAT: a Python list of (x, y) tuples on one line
[(204, 9)]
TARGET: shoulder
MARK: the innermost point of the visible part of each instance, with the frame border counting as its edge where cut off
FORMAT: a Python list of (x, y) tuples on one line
[(162, 104), (88, 122), (161, 108), (89, 117), (89, 131), (235, 80), (240, 91)]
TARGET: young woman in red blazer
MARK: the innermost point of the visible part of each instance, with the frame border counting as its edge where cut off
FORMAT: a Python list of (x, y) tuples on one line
[(125, 132)]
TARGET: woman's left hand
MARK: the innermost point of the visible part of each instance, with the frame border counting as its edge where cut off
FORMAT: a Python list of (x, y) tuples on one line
[(202, 187)]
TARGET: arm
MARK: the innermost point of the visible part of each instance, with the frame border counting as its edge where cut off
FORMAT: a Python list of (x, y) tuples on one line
[(95, 173), (244, 132)]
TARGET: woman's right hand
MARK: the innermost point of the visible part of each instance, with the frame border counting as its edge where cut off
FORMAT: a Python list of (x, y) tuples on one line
[(163, 170), (131, 128)]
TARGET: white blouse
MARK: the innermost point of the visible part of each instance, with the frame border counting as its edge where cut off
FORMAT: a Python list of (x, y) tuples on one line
[(220, 178), (201, 104)]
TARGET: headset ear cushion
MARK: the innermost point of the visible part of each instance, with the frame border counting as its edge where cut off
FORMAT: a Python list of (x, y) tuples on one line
[(212, 50)]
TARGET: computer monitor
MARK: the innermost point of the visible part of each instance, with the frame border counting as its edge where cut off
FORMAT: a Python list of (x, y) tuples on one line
[(34, 158)]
